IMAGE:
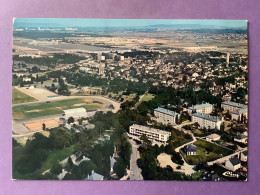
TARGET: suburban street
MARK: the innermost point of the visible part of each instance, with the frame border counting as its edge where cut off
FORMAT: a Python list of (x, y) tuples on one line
[(135, 171)]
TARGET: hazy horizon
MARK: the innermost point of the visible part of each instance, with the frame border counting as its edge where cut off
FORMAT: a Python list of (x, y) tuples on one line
[(78, 22)]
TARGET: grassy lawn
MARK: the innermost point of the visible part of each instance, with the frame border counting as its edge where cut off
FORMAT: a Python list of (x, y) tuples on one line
[(202, 157), (58, 155), (198, 132), (52, 108), (213, 147), (147, 97), (20, 97), (206, 152)]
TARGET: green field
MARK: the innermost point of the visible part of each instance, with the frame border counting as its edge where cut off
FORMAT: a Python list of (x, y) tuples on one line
[(58, 155), (147, 97), (19, 97), (202, 157), (206, 152), (55, 107), (213, 147)]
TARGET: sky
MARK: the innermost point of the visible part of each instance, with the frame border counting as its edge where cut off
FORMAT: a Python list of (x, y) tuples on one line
[(65, 22)]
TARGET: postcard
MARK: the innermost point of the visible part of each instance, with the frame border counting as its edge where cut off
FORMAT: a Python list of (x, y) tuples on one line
[(129, 99)]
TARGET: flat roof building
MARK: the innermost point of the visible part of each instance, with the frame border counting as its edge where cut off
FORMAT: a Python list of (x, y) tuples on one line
[(76, 113), (153, 134), (213, 137)]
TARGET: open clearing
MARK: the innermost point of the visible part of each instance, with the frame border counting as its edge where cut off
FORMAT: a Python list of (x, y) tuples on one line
[(37, 125), (206, 152), (165, 159), (19, 97), (147, 97), (55, 156), (54, 107), (40, 94)]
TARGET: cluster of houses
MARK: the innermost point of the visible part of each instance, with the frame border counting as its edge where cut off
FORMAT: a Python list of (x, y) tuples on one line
[(77, 161), (169, 74)]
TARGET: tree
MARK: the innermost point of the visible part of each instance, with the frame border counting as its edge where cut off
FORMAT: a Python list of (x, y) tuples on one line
[(177, 119), (119, 167), (21, 83), (43, 126), (86, 167), (70, 163), (85, 143), (60, 138), (69, 176), (146, 143), (70, 120), (222, 126), (56, 168)]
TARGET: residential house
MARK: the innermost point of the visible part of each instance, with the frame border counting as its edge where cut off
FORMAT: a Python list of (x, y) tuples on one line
[(213, 137), (233, 164), (240, 138), (243, 156), (190, 149), (94, 176)]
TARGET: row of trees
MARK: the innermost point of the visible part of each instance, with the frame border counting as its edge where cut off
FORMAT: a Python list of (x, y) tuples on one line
[(29, 158)]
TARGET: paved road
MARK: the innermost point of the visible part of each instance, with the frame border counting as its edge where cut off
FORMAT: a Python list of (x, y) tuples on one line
[(193, 139), (181, 125), (135, 171)]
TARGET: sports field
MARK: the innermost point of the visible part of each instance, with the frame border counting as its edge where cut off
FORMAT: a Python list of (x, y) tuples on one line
[(19, 97), (54, 107), (37, 125)]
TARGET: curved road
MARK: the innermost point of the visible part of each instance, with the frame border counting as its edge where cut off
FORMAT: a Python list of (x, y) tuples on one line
[(20, 130)]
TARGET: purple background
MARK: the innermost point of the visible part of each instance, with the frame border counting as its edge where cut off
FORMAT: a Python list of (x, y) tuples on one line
[(146, 9)]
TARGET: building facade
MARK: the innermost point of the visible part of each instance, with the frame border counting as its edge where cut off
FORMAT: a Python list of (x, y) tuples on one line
[(213, 137), (190, 149), (165, 116), (76, 113), (153, 134), (201, 108), (207, 121), (233, 164), (232, 106), (239, 115)]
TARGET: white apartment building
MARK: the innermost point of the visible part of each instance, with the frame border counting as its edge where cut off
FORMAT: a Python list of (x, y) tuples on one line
[(165, 116), (153, 134), (232, 106), (201, 108), (237, 115), (27, 79), (207, 121), (76, 113)]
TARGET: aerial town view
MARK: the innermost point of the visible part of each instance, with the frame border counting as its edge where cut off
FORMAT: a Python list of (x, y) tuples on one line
[(114, 99)]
